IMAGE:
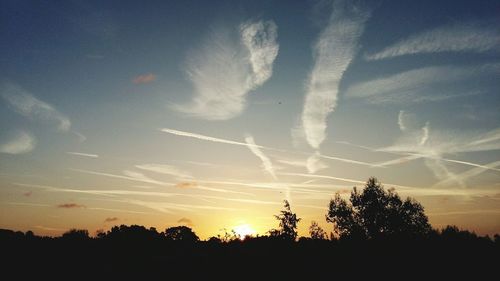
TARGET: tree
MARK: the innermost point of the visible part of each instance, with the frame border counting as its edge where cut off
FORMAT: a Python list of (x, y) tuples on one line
[(375, 212), (316, 232), (288, 224), (76, 234), (181, 233)]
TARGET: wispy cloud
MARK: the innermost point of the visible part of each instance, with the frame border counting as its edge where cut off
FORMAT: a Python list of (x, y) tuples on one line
[(434, 145), (111, 219), (80, 136), (195, 185), (129, 175), (47, 228), (165, 169), (29, 106), (28, 193), (333, 52), (266, 162), (203, 137), (83, 154), (314, 163), (419, 85), (345, 160), (212, 139), (144, 78), (322, 177), (21, 142), (463, 177), (425, 134), (439, 142), (70, 206), (226, 69), (469, 37), (185, 221)]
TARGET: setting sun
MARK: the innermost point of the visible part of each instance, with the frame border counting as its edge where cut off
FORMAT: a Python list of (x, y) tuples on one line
[(244, 230)]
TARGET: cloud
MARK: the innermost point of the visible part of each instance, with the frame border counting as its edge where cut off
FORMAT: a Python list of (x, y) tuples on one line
[(129, 175), (212, 139), (226, 69), (293, 163), (314, 163), (185, 184), (419, 85), (337, 178), (468, 37), (463, 177), (345, 160), (143, 178), (333, 51), (434, 145), (111, 219), (321, 177), (21, 142), (83, 154), (203, 137), (28, 194), (425, 134), (29, 106), (266, 162), (439, 142), (401, 121), (70, 206), (49, 228), (185, 221), (144, 78), (164, 169), (201, 187), (80, 136), (259, 38)]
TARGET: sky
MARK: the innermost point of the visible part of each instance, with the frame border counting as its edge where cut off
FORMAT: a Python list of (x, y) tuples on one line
[(211, 113)]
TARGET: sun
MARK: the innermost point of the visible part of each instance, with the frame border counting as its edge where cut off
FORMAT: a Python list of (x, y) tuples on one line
[(244, 230)]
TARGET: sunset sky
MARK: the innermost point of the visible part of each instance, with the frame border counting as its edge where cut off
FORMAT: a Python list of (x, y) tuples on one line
[(211, 113)]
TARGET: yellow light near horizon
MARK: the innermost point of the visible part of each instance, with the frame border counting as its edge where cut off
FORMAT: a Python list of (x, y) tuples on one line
[(244, 230)]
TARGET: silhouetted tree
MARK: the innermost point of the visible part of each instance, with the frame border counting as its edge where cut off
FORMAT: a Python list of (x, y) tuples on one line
[(375, 212), (316, 232), (288, 224), (181, 233), (131, 233), (76, 234), (29, 234)]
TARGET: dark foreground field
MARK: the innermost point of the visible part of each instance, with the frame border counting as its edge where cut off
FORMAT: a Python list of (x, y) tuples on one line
[(445, 254)]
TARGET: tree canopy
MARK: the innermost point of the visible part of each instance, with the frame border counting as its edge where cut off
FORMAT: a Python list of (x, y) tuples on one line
[(376, 212), (287, 222), (181, 233)]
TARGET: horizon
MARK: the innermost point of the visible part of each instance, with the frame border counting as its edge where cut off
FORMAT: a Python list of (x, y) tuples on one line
[(210, 114)]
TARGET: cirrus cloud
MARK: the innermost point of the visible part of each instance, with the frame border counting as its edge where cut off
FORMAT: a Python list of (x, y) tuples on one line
[(21, 142), (226, 69), (469, 37), (31, 107), (333, 52)]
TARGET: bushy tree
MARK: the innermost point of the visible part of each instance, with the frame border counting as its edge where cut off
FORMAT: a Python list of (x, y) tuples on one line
[(316, 232), (76, 234), (181, 233), (287, 222), (375, 212)]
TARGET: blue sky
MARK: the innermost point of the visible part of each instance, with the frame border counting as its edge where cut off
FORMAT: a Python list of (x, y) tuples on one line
[(213, 112)]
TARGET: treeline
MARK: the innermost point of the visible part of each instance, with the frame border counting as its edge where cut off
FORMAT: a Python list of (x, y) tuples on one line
[(375, 230)]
